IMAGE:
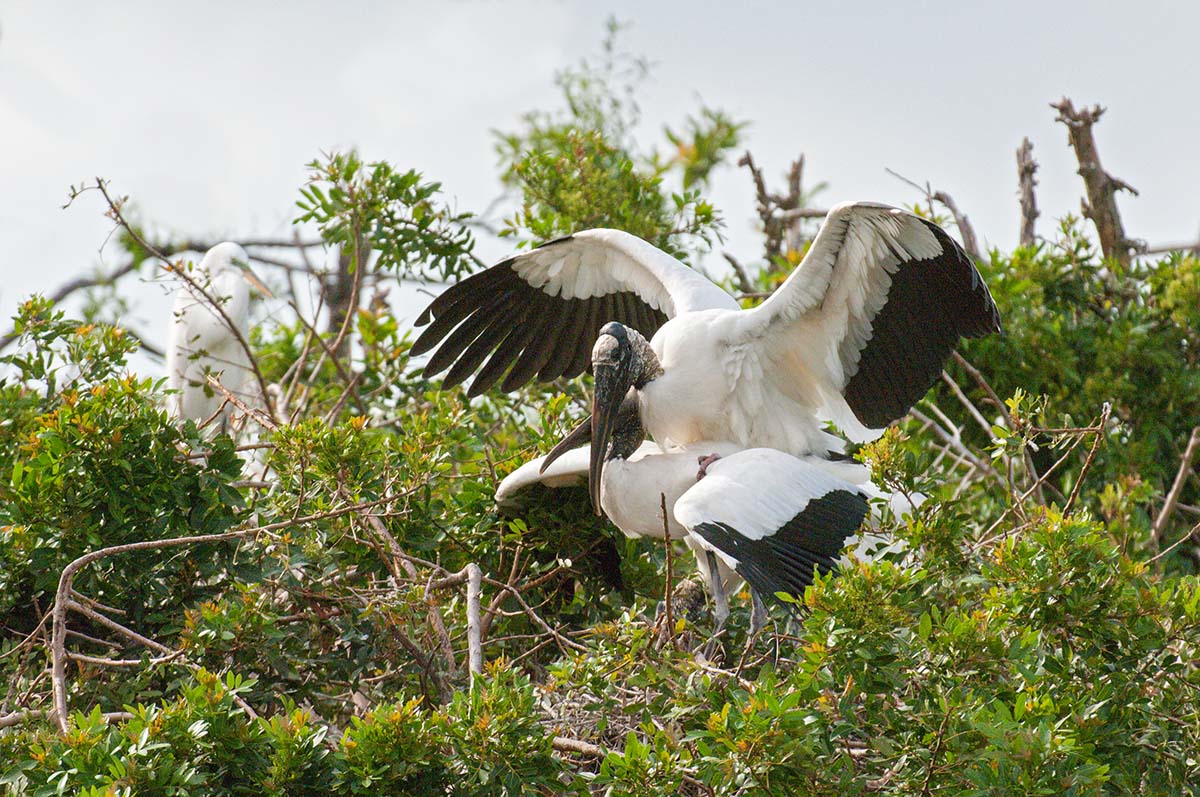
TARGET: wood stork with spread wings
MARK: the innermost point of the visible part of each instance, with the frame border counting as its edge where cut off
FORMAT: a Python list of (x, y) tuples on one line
[(200, 340), (856, 335), (754, 514)]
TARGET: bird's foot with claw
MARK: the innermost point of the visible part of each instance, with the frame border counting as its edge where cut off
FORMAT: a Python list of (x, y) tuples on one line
[(704, 463)]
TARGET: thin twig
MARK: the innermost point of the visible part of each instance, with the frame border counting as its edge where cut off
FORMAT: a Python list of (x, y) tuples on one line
[(968, 405), (263, 418), (669, 627), (986, 387), (1181, 477), (743, 277), (63, 601), (400, 560), (1191, 535), (1087, 463), (955, 443)]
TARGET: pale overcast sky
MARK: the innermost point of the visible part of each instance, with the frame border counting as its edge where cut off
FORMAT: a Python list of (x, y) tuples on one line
[(205, 113)]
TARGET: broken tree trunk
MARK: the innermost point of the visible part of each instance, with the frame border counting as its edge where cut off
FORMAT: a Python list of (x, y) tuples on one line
[(1101, 203), (1026, 166)]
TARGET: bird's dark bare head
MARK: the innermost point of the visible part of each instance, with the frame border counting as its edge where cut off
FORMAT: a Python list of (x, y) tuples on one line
[(612, 344), (621, 359), (628, 351)]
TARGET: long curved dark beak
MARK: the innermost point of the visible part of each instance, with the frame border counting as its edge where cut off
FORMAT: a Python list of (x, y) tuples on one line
[(581, 435), (612, 379)]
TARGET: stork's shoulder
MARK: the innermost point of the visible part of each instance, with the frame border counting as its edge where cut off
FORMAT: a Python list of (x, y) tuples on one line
[(862, 204), (600, 261)]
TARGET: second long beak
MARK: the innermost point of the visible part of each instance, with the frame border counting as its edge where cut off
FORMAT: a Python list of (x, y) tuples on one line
[(253, 279), (612, 382)]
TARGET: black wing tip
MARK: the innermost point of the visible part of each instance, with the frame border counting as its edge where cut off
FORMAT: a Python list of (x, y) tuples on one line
[(863, 502), (785, 560), (429, 373), (985, 320), (455, 327), (423, 343), (909, 347)]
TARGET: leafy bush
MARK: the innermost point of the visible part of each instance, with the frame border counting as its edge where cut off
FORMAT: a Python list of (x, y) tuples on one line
[(1033, 634), (93, 461)]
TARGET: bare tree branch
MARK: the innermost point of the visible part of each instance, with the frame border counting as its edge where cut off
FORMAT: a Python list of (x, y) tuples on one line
[(21, 717), (264, 243), (1101, 203), (473, 577), (1192, 248), (1026, 167), (965, 230), (780, 212), (76, 285), (1172, 499), (668, 630), (803, 213), (564, 745), (743, 277), (1101, 426), (63, 601), (474, 622)]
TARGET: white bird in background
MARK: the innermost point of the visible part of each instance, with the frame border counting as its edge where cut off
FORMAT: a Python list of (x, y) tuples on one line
[(856, 335), (200, 340)]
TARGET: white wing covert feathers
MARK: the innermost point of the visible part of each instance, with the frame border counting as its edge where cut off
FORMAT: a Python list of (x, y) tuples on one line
[(873, 311), (772, 518), (857, 334)]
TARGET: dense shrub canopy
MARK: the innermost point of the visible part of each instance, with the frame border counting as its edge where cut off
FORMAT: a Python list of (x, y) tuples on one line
[(1036, 633)]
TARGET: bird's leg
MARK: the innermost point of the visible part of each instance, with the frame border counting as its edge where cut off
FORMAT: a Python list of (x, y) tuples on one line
[(758, 621), (720, 605), (720, 599), (758, 614), (704, 462)]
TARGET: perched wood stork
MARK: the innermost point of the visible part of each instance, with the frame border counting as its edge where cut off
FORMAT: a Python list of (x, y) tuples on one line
[(759, 514), (200, 341), (856, 335)]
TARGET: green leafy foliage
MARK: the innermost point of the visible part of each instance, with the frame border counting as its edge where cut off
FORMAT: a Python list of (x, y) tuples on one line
[(703, 145), (357, 204), (1080, 332), (1023, 634), (92, 460), (487, 741), (580, 168)]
